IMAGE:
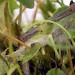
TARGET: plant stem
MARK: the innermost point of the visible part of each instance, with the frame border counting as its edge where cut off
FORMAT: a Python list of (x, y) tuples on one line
[(54, 47), (70, 59), (20, 15), (8, 24), (57, 24)]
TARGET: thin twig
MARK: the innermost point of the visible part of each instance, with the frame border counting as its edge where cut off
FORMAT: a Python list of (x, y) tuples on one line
[(35, 12), (18, 15), (15, 39), (70, 59), (72, 71)]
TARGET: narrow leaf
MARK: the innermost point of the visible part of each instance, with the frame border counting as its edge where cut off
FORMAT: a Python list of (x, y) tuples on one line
[(33, 51), (13, 5), (12, 69)]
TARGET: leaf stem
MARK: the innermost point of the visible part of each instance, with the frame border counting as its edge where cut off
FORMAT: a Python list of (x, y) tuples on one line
[(54, 47)]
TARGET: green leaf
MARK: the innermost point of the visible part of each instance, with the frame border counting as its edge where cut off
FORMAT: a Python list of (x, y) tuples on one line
[(3, 28), (2, 2), (33, 51), (70, 22), (50, 6), (4, 52), (12, 69), (3, 67), (52, 43), (53, 72), (12, 5), (27, 3)]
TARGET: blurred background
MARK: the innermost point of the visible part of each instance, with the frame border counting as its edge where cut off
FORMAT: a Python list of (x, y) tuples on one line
[(28, 14)]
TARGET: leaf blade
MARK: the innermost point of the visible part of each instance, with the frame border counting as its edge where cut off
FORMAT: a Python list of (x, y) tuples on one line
[(27, 3), (33, 51)]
